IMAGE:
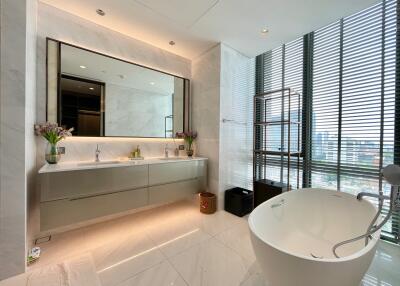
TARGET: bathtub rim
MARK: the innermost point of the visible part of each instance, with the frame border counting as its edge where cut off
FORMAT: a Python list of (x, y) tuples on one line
[(366, 249)]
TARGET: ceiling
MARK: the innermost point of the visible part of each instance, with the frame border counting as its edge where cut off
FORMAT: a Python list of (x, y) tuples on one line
[(111, 71), (80, 87), (197, 25)]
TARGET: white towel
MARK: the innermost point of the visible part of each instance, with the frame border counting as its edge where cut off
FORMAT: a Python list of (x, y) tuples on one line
[(78, 271)]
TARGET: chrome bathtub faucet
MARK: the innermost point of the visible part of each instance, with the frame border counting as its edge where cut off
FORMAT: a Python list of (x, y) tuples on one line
[(97, 154), (391, 173)]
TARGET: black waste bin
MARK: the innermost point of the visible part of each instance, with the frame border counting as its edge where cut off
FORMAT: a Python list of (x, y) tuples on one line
[(238, 201)]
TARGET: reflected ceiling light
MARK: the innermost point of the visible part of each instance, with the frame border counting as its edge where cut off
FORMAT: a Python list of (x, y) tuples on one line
[(82, 67), (100, 12), (264, 31), (91, 88), (152, 83), (171, 43)]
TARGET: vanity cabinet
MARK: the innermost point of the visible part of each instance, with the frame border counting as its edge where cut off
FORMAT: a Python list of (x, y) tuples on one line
[(74, 197), (69, 211), (75, 184), (172, 192), (163, 173)]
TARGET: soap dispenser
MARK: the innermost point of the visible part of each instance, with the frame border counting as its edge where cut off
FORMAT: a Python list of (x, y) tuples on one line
[(137, 152)]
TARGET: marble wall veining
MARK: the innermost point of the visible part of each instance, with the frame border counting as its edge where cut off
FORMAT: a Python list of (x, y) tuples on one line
[(17, 99)]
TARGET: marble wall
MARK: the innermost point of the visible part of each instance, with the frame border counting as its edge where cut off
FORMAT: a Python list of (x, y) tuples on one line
[(17, 99), (206, 111), (133, 111), (30, 117), (222, 92)]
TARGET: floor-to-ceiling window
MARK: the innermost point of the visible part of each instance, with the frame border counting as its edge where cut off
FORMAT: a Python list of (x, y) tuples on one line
[(276, 69), (348, 72)]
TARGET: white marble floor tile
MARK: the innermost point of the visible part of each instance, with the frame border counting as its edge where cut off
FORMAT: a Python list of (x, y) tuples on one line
[(81, 271), (61, 247), (162, 274), (176, 233), (54, 275), (173, 245), (72, 272), (18, 280), (238, 239), (181, 241), (218, 222), (120, 261), (211, 263), (385, 268), (113, 231), (255, 279)]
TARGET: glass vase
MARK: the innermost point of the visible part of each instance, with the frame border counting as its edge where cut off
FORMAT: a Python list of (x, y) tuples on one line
[(52, 155), (189, 153)]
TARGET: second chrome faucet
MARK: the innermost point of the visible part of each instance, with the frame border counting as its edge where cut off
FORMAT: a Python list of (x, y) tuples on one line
[(97, 154)]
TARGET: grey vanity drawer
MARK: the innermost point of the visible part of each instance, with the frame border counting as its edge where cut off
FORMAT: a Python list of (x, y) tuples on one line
[(69, 211), (173, 192), (61, 185), (177, 171)]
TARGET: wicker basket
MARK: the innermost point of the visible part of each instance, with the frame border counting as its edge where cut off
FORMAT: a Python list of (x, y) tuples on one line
[(208, 203)]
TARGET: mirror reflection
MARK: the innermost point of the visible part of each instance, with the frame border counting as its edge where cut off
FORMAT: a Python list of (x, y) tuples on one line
[(102, 96)]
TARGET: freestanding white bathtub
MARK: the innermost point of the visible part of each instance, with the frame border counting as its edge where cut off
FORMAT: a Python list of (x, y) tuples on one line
[(293, 235)]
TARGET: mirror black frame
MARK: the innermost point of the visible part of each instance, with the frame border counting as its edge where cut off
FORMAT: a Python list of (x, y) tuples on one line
[(186, 86)]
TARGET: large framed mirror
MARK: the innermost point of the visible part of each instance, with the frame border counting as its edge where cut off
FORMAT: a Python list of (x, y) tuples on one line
[(100, 95)]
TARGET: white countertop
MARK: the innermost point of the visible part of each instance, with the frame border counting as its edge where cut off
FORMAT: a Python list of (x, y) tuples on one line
[(91, 165)]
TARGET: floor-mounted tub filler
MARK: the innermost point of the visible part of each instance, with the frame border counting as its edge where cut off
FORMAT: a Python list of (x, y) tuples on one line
[(316, 237)]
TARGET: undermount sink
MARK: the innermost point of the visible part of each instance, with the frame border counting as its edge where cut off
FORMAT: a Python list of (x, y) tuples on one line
[(98, 163), (173, 158)]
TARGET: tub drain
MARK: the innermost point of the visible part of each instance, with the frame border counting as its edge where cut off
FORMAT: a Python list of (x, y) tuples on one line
[(315, 256)]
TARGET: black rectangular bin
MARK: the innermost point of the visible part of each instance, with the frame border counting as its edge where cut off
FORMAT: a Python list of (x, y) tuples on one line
[(265, 189), (238, 201)]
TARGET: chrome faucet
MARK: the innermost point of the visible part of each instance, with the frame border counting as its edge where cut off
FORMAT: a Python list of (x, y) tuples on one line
[(97, 154), (166, 155), (392, 175)]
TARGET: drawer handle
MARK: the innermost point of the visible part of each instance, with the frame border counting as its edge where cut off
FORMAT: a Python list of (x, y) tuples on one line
[(103, 194), (89, 196)]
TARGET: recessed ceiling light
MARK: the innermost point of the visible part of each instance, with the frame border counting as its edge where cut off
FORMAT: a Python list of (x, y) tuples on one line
[(91, 88), (82, 67), (171, 43), (264, 31), (152, 83), (100, 12)]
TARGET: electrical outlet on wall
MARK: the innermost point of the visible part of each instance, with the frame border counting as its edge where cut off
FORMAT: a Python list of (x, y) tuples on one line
[(181, 147), (61, 150)]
